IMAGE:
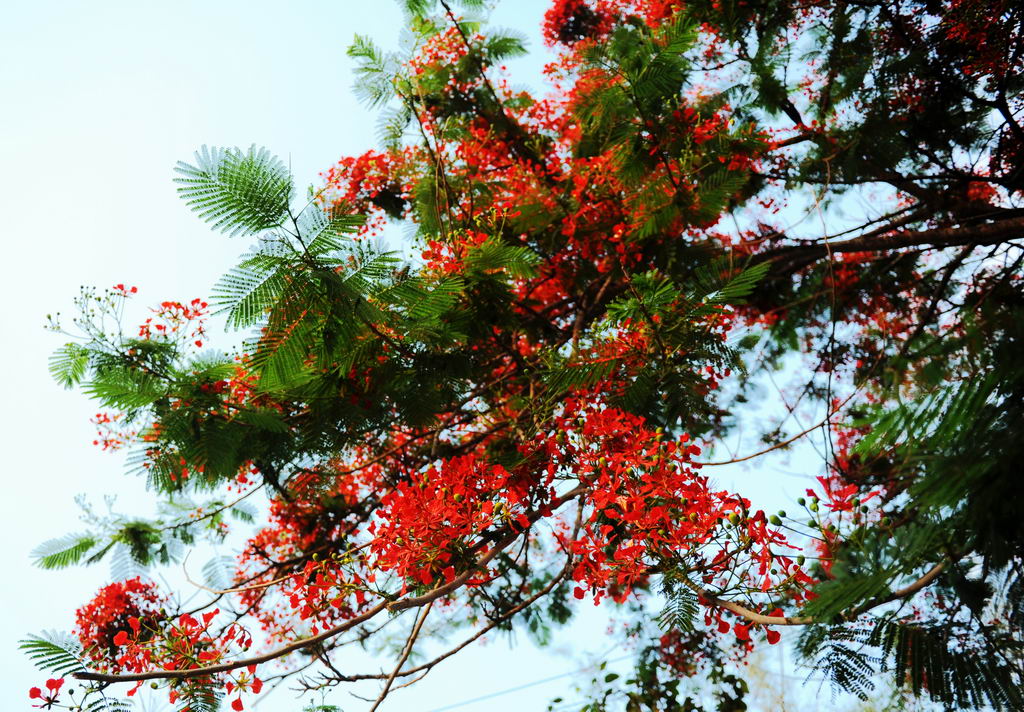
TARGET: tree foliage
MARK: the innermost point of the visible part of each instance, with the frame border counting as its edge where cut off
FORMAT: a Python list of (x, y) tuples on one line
[(521, 411)]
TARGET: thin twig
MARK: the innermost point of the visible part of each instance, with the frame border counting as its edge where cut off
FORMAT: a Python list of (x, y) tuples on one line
[(405, 656)]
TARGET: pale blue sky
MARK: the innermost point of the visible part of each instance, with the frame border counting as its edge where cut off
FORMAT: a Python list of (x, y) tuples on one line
[(97, 102)]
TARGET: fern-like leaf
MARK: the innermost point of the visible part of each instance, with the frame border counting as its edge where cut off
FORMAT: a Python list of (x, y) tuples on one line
[(205, 698), (58, 653), (240, 192), (681, 608), (63, 552), (107, 704), (69, 364)]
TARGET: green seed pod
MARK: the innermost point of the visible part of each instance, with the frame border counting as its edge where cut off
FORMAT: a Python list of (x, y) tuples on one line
[(801, 501), (774, 519), (864, 508), (801, 560), (734, 518), (855, 501), (782, 513), (814, 506)]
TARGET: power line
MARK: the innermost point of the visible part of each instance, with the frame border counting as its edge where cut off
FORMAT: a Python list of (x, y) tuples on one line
[(528, 684)]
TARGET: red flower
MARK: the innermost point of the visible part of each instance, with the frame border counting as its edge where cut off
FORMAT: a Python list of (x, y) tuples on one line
[(35, 693), (237, 704)]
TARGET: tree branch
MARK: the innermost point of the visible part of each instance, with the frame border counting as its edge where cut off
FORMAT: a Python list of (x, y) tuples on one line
[(790, 259), (400, 605), (761, 619)]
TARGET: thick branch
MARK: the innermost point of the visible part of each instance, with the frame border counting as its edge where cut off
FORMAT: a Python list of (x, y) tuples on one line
[(791, 259), (760, 618)]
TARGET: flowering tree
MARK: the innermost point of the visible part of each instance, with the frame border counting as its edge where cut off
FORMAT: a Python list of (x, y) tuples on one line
[(515, 417)]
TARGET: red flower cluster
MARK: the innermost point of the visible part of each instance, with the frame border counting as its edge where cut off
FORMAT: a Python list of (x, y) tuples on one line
[(100, 624), (174, 319), (427, 525), (110, 431), (649, 506), (373, 184)]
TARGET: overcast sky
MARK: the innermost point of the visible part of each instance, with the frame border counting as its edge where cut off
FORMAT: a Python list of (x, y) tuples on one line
[(97, 102)]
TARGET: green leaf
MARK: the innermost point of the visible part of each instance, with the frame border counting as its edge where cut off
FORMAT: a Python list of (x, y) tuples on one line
[(732, 291), (122, 388), (240, 192), (108, 704), (201, 698), (59, 653), (492, 256), (681, 608), (68, 364), (246, 295), (217, 572), (63, 552)]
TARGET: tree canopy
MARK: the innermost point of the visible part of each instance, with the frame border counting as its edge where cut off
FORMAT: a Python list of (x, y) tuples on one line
[(517, 409)]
